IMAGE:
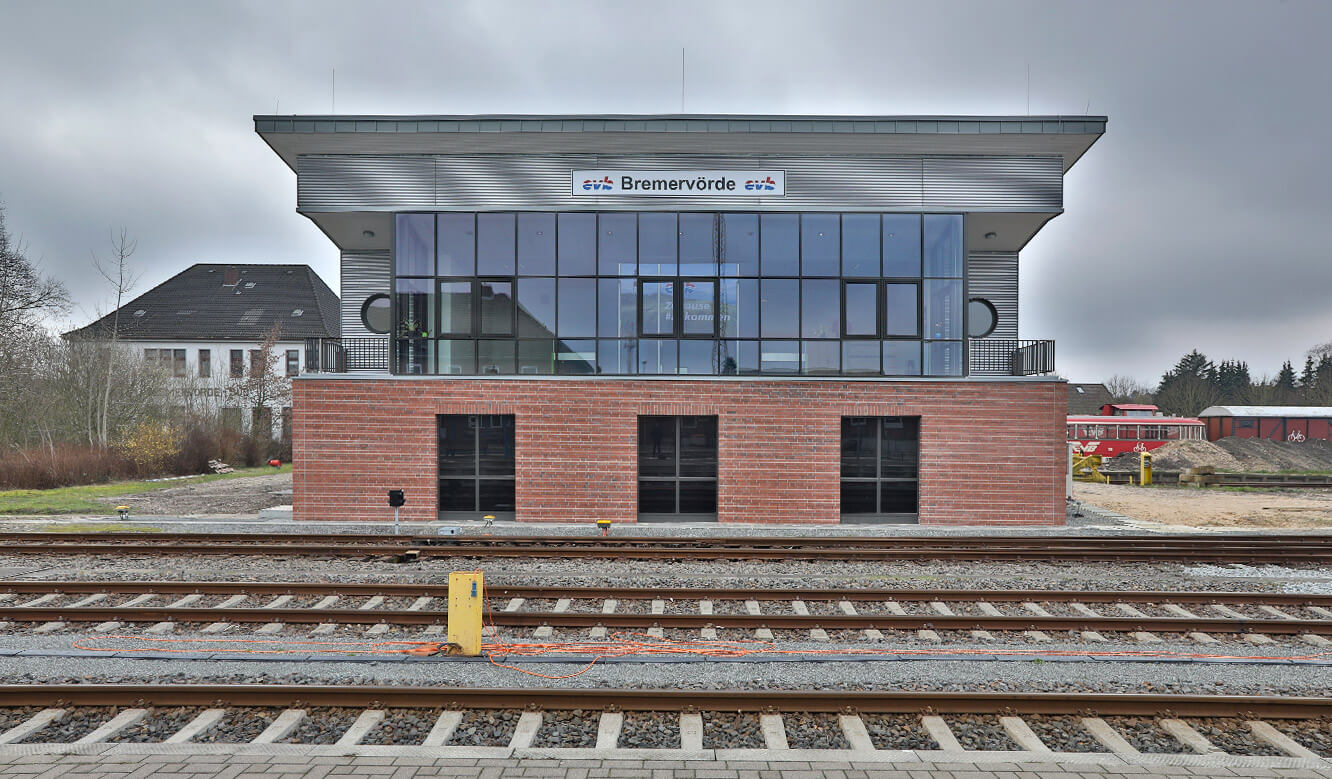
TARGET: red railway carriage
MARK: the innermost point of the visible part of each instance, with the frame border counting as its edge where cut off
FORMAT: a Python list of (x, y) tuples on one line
[(1130, 428)]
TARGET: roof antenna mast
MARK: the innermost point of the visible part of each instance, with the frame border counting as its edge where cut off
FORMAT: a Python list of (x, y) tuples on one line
[(333, 91), (682, 78)]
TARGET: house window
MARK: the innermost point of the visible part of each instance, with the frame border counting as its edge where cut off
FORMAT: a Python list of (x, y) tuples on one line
[(231, 419), (677, 467), (178, 367), (205, 363), (237, 363), (476, 464), (286, 423), (293, 362), (261, 422), (880, 468), (257, 362)]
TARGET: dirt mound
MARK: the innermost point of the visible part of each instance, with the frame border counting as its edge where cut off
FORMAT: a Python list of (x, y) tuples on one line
[(1177, 456), (1260, 454)]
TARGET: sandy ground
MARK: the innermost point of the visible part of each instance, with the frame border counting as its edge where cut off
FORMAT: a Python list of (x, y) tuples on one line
[(245, 495), (1193, 507)]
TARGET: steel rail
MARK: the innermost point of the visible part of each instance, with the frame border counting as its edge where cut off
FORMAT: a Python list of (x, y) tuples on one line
[(757, 701), (668, 593), (677, 621)]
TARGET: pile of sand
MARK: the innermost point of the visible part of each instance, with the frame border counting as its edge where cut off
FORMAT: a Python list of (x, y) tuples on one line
[(1178, 456), (1238, 455)]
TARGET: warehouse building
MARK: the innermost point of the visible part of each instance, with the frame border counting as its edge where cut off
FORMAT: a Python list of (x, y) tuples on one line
[(791, 319), (1295, 424)]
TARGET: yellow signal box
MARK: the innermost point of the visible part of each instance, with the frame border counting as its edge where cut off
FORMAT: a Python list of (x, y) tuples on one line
[(466, 593)]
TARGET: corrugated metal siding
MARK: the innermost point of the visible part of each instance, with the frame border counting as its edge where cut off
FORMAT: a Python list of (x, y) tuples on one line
[(994, 276), (363, 274), (502, 182)]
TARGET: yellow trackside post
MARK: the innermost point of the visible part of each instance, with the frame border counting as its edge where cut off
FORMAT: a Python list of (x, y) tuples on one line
[(1145, 469), (466, 590)]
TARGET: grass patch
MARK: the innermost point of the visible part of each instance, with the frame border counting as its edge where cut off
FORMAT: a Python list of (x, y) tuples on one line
[(84, 499)]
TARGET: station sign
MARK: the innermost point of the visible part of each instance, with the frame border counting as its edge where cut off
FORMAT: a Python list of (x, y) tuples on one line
[(679, 183)]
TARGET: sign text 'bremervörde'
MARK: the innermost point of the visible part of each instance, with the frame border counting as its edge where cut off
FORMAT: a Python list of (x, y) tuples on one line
[(680, 183)]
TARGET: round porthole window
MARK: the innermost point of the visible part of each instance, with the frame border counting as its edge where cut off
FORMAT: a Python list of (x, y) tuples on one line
[(376, 314), (981, 317)]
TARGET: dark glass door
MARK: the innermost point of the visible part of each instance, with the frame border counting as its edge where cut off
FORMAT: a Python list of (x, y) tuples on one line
[(880, 469), (677, 468), (476, 465)]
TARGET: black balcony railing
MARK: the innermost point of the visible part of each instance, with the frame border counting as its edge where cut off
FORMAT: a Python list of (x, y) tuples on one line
[(340, 355), (1003, 357)]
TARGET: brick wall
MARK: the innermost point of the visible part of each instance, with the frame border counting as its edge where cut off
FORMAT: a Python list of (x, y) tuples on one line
[(991, 452)]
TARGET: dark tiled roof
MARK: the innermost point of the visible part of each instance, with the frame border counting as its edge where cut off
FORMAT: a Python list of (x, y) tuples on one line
[(198, 304), (1087, 399)]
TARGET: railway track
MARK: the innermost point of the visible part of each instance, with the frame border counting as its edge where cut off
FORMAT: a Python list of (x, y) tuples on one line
[(882, 726), (1285, 549), (861, 614)]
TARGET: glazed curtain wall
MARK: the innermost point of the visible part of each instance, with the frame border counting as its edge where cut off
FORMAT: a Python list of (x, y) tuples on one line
[(623, 293)]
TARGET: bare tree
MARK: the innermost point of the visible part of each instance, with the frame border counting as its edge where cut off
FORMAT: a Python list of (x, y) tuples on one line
[(25, 294), (116, 270), (261, 387), (1126, 389)]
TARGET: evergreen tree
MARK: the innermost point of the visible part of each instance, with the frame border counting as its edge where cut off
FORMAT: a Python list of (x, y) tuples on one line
[(1190, 386), (1308, 379), (1284, 385)]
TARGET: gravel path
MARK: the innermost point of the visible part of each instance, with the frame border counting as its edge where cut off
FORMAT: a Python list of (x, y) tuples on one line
[(244, 495)]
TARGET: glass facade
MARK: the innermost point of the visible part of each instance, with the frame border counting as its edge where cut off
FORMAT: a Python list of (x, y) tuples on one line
[(688, 293)]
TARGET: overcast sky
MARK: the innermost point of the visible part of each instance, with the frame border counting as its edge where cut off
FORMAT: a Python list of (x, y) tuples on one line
[(1199, 220)]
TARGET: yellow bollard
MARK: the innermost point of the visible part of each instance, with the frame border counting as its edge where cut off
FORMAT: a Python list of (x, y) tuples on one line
[(466, 591), (1145, 469)]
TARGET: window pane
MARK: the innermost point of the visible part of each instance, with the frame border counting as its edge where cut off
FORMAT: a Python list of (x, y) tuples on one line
[(495, 243), (739, 308), (496, 495), (899, 302), (899, 453), (456, 255), (617, 308), (740, 245), (617, 357), (495, 444), (578, 308), (495, 357), (698, 248), (456, 446), (536, 244), (456, 358), (779, 244), (576, 357), (656, 446), (536, 308), (416, 310), (901, 358), (860, 357), (943, 358), (858, 497), (820, 308), (578, 244), (536, 357), (696, 357), (414, 245), (860, 244), (617, 237), (739, 358), (943, 245), (820, 357), (496, 307), (897, 497), (820, 244), (862, 309), (658, 239), (781, 308), (780, 357), (980, 318), (656, 497), (700, 316), (455, 307), (698, 446), (658, 308), (457, 495), (698, 497), (901, 245), (943, 309), (413, 357), (860, 447), (656, 356)]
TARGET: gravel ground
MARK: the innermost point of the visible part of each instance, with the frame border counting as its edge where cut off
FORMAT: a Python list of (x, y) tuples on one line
[(1233, 736), (897, 731), (406, 727), (239, 726), (814, 731), (76, 724), (650, 730), (731, 731), (157, 726), (1064, 734), (246, 495), (576, 728), (485, 729), (1145, 736), (13, 717), (980, 731), (1311, 734), (322, 725)]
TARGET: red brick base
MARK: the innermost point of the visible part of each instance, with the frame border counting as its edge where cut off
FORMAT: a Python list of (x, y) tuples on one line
[(991, 452)]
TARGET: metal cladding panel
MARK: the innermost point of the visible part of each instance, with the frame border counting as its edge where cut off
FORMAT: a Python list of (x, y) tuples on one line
[(994, 276), (525, 182), (364, 183), (995, 183), (364, 274)]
